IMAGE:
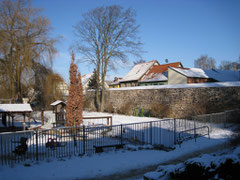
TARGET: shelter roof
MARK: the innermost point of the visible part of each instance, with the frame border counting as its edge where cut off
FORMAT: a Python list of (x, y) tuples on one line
[(55, 103), (15, 108)]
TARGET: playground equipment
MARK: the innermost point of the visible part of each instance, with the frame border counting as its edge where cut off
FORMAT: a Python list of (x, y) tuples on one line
[(52, 143), (22, 148)]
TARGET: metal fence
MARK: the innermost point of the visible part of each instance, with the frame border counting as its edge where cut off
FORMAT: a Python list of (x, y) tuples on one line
[(218, 120), (69, 141)]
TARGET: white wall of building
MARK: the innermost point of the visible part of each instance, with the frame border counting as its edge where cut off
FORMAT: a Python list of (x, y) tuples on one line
[(176, 78)]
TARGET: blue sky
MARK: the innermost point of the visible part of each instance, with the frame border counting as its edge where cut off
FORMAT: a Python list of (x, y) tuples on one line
[(179, 30)]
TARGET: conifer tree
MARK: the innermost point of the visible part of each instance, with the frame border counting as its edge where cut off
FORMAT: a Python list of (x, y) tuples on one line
[(92, 84), (75, 101)]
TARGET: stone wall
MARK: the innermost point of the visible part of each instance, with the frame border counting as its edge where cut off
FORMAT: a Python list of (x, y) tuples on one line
[(180, 102)]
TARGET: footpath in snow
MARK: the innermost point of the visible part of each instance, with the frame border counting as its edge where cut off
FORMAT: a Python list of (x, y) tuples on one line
[(108, 163)]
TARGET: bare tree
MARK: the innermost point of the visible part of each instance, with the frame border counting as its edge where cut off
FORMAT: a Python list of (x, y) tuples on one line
[(205, 62), (24, 41), (106, 36), (230, 65), (75, 100), (138, 62)]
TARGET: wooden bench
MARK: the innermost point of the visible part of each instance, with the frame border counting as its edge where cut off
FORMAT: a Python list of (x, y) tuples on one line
[(99, 149), (109, 119)]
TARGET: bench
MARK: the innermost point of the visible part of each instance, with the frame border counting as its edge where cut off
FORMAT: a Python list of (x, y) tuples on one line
[(99, 149)]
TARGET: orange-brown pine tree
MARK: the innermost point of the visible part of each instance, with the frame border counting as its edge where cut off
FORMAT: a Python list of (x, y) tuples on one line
[(75, 101)]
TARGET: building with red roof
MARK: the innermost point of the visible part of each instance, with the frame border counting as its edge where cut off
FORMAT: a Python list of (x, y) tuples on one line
[(158, 75), (145, 74)]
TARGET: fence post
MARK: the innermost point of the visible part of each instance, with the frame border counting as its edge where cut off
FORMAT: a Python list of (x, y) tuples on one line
[(225, 119), (84, 135), (160, 133), (36, 144), (121, 135), (175, 131), (211, 121), (194, 129), (151, 133)]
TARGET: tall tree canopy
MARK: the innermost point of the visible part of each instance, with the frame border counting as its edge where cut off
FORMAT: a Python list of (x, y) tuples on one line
[(25, 46), (75, 100), (205, 62), (105, 37)]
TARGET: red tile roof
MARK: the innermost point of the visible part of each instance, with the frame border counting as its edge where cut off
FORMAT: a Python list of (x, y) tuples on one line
[(163, 68)]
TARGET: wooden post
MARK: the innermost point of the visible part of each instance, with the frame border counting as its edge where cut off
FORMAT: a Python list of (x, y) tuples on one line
[(8, 117), (42, 117), (29, 119), (12, 119), (24, 123), (56, 119), (24, 120)]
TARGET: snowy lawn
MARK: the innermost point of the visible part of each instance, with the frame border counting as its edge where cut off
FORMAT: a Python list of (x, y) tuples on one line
[(119, 119), (115, 162)]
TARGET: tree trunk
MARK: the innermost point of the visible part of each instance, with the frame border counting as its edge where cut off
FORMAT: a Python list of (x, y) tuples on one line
[(102, 99), (98, 100), (104, 71)]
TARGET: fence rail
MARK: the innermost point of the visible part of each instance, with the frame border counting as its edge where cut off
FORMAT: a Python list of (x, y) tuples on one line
[(68, 141), (193, 134)]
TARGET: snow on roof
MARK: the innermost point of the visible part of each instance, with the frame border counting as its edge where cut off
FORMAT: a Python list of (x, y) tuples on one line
[(15, 108), (85, 78), (159, 72), (153, 77), (138, 71), (57, 102), (192, 72), (176, 86), (219, 75)]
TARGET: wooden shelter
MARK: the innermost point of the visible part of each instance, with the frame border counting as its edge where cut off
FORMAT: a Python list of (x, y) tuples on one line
[(8, 111), (59, 110)]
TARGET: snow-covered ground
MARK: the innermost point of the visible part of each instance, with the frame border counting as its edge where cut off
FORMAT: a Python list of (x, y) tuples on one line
[(110, 163), (119, 119)]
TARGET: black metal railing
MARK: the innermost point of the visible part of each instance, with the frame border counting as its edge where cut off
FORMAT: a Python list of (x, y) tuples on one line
[(193, 134), (77, 141)]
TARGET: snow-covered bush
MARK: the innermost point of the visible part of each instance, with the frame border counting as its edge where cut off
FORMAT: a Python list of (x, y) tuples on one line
[(223, 166)]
